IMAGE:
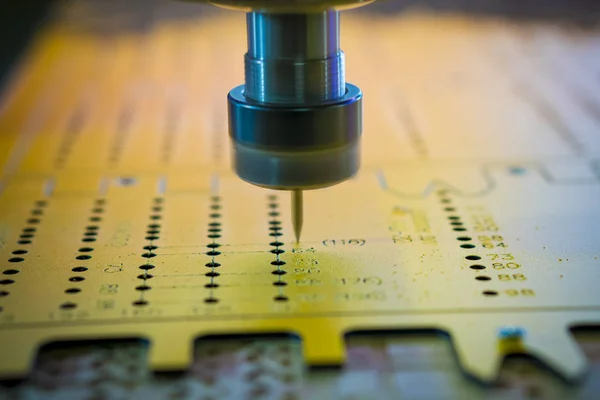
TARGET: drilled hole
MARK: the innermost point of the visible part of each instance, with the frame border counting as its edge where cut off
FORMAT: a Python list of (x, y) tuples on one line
[(490, 293), (213, 265), (211, 300), (153, 226), (157, 209), (150, 247), (148, 255), (214, 236), (213, 245), (445, 201), (41, 203), (477, 267), (11, 272), (83, 257), (88, 240), (214, 224), (279, 272), (459, 229), (215, 198), (273, 205), (215, 215), (454, 218), (152, 237), (211, 285), (155, 217), (4, 293), (26, 236), (275, 222), (73, 290), (279, 283), (29, 230), (95, 219), (483, 278), (126, 180), (98, 210), (25, 241), (153, 232), (33, 221), (16, 259), (473, 258), (278, 262), (6, 282), (100, 202), (79, 269), (92, 227), (142, 288), (276, 244), (37, 212), (277, 251), (215, 230), (212, 274), (20, 252), (76, 278), (159, 200), (86, 249), (456, 223), (464, 238), (213, 253), (68, 306), (140, 303), (215, 207), (281, 298), (147, 267), (449, 209), (467, 246), (145, 276), (274, 214), (275, 234), (517, 170)]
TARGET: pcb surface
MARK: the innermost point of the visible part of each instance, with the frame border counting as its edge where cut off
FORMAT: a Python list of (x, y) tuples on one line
[(475, 212)]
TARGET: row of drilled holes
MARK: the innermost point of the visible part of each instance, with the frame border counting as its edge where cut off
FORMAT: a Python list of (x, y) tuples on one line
[(72, 131), (89, 236), (152, 234), (276, 232), (25, 238), (458, 226), (214, 233), (121, 134)]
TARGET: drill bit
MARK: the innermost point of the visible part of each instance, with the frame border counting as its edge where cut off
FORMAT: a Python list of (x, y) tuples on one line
[(297, 213)]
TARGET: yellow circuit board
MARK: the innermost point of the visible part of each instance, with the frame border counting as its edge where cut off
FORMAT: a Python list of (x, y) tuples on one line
[(476, 211)]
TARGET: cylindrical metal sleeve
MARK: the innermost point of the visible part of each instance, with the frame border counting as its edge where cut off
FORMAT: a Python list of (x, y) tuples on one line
[(295, 128), (295, 81), (311, 36), (294, 59), (292, 170)]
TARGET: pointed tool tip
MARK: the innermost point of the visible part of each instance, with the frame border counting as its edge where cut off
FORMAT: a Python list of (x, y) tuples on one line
[(297, 232), (297, 213)]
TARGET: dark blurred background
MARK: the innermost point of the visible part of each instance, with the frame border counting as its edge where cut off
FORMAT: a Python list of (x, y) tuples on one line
[(20, 19)]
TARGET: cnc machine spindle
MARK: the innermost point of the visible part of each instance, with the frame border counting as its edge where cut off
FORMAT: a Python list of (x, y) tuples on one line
[(295, 124)]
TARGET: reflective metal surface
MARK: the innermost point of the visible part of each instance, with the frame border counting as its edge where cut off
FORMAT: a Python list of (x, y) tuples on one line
[(295, 115), (294, 59)]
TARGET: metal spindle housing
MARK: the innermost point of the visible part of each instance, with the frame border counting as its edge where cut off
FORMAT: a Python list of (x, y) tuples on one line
[(294, 58), (295, 124)]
